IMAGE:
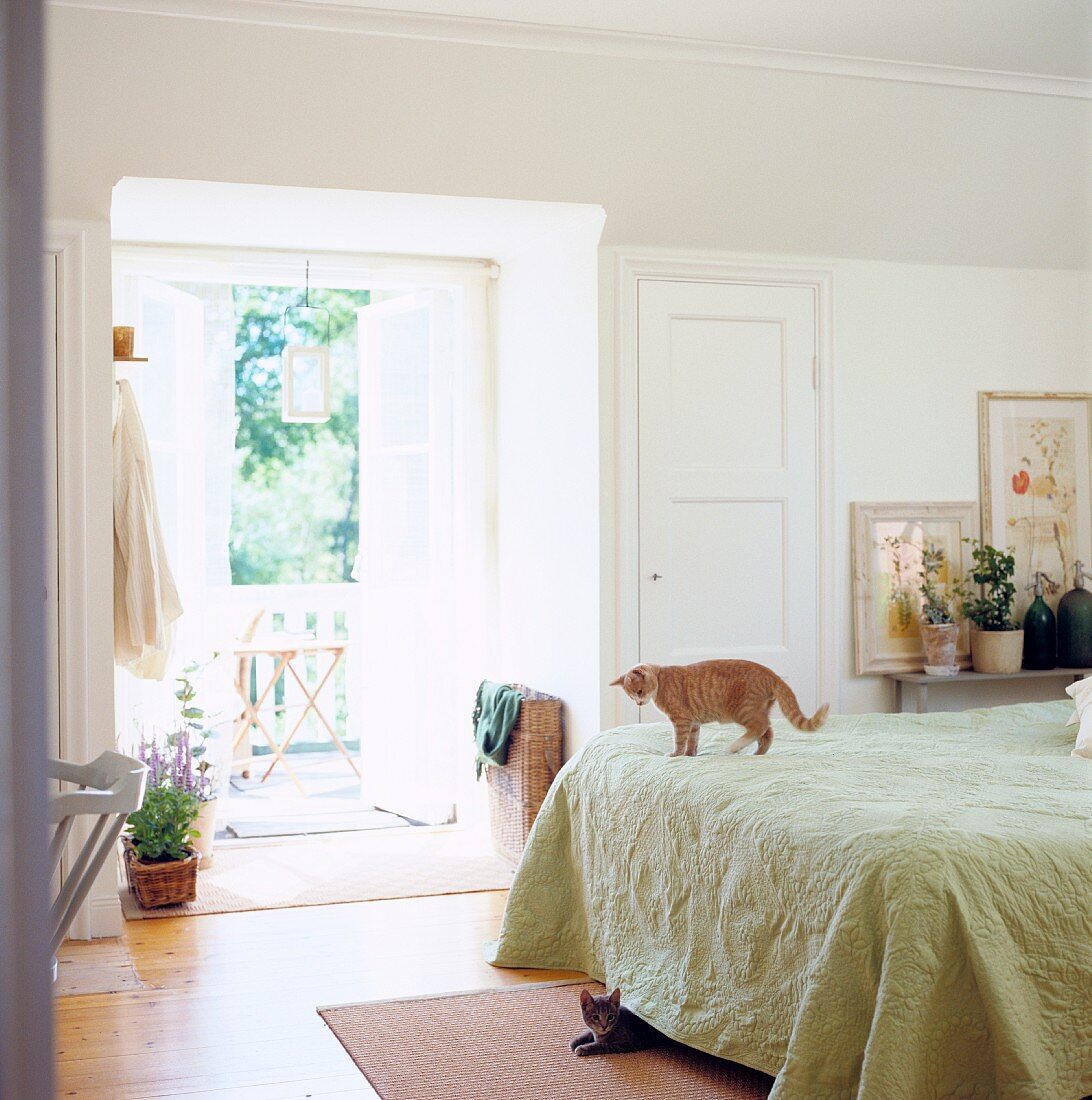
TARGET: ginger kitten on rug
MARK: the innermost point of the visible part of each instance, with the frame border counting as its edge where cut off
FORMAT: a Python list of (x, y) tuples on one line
[(717, 691)]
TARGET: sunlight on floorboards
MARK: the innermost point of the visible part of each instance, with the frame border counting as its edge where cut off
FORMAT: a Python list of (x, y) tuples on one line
[(229, 1004)]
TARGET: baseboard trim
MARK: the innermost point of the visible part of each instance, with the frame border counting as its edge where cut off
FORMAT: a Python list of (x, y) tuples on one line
[(106, 917)]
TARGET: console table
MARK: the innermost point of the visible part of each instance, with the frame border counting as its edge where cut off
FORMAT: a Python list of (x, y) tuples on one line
[(923, 682)]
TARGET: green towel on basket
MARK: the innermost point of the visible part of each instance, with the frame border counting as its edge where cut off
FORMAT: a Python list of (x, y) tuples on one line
[(496, 711)]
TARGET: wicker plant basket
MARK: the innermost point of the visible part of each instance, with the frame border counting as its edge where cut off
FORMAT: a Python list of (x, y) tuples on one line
[(154, 884), (516, 789)]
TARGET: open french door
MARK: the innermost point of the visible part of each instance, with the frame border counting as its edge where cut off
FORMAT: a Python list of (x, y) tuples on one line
[(405, 568)]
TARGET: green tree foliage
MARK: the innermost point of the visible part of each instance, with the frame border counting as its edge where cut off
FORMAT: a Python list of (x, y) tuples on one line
[(296, 487)]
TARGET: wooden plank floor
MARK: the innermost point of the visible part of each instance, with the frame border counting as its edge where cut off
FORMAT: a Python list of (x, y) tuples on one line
[(229, 1008)]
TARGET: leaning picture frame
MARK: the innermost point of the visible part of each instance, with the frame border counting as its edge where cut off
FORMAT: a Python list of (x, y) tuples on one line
[(887, 544), (1035, 469), (305, 385)]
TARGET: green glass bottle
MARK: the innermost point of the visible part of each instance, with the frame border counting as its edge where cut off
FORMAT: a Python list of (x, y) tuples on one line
[(1075, 623), (1040, 631)]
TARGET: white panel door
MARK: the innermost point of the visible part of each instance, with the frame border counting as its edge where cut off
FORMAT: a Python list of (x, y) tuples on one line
[(728, 536)]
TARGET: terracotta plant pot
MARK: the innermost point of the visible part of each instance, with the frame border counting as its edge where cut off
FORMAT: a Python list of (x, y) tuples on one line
[(939, 642), (206, 826), (997, 651)]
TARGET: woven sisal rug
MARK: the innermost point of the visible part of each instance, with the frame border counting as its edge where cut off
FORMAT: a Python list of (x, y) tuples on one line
[(369, 866), (504, 1044)]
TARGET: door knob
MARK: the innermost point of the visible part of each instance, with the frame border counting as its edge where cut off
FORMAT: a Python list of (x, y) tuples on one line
[(656, 576)]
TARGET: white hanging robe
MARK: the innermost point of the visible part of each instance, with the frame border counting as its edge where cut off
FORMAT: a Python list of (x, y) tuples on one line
[(146, 600)]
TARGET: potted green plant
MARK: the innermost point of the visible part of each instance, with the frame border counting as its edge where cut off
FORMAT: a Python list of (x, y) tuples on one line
[(160, 859), (997, 642), (939, 629), (924, 602), (196, 734)]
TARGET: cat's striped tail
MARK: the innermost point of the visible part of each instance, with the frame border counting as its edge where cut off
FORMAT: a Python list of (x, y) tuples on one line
[(790, 708)]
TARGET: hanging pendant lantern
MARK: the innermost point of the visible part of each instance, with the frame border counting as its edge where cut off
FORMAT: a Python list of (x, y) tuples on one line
[(305, 371)]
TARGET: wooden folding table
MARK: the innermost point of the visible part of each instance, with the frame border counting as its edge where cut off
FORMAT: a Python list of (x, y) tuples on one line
[(284, 650)]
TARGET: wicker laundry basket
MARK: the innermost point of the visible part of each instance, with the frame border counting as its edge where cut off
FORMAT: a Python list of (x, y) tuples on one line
[(517, 788)]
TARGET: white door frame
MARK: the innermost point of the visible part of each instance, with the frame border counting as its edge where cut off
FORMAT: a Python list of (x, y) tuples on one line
[(624, 268), (26, 1018), (84, 701)]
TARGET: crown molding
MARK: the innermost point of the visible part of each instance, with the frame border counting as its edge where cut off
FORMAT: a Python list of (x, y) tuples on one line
[(347, 17)]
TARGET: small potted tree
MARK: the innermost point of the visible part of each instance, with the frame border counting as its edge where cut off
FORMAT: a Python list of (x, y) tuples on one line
[(997, 642), (939, 629), (160, 859)]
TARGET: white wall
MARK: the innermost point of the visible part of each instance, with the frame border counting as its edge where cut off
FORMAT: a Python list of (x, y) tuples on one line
[(545, 382), (679, 154), (87, 535), (913, 346), (682, 155), (547, 403)]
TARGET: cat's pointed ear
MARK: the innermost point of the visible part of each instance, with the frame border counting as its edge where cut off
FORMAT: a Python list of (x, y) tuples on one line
[(620, 682), (616, 998), (585, 998)]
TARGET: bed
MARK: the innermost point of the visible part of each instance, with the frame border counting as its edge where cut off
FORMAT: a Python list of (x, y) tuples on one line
[(897, 907)]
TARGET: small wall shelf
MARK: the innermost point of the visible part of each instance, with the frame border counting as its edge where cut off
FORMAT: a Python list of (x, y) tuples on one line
[(923, 682)]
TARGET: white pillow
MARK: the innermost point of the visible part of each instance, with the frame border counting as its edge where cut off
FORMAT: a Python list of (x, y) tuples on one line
[(1081, 693)]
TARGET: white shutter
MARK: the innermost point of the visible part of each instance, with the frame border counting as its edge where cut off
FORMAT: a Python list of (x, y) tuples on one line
[(405, 568)]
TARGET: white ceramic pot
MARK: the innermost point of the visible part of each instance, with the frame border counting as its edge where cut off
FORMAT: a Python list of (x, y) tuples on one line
[(206, 826), (997, 651)]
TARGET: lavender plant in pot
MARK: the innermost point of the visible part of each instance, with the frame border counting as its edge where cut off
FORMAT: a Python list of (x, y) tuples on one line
[(160, 859), (997, 642), (939, 629)]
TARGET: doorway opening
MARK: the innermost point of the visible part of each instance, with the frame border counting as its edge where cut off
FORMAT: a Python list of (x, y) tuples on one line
[(491, 592), (326, 542)]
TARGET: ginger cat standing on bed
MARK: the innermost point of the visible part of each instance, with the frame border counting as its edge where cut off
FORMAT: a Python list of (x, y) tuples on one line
[(717, 691)]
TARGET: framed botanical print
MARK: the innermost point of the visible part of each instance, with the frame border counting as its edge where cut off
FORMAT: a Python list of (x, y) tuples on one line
[(1035, 465), (888, 542)]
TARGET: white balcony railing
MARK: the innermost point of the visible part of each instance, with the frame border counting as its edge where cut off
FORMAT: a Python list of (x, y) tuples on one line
[(322, 611)]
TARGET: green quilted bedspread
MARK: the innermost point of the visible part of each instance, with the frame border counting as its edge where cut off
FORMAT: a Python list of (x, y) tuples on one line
[(897, 907)]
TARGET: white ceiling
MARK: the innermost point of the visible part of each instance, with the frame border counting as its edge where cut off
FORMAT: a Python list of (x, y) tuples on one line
[(1045, 37)]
